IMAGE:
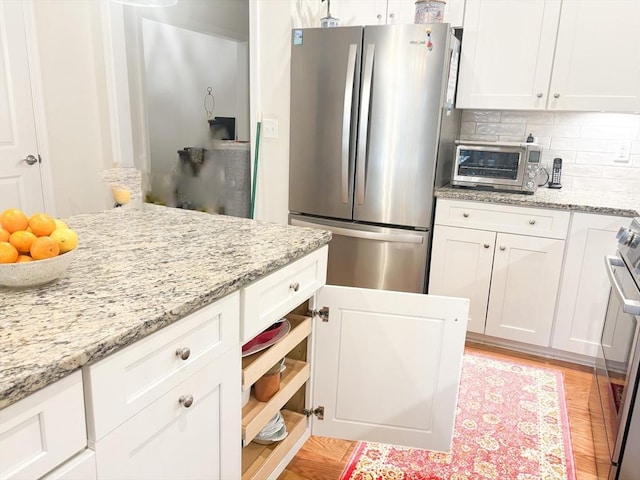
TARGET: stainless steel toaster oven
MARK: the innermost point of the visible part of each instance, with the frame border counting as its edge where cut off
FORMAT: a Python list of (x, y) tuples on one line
[(507, 166)]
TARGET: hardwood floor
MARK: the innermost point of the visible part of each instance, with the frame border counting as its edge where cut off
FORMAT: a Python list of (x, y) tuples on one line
[(324, 458)]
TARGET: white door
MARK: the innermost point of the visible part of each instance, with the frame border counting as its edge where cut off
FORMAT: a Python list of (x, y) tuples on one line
[(358, 12), (461, 262), (507, 53), (614, 85), (584, 291), (387, 366), (524, 286), (20, 171)]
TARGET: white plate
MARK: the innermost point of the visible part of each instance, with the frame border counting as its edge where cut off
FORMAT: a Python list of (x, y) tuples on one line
[(279, 336), (276, 437)]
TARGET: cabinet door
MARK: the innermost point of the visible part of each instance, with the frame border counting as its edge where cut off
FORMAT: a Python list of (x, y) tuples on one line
[(584, 291), (597, 63), (461, 262), (359, 12), (387, 366), (171, 439), (524, 286), (401, 12), (507, 53)]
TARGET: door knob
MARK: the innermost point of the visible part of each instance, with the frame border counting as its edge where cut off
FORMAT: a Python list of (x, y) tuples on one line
[(186, 400), (503, 248), (183, 353), (486, 245), (294, 286), (31, 160), (539, 95), (556, 95)]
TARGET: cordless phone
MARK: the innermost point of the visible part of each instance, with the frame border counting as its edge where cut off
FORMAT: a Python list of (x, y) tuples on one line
[(554, 182)]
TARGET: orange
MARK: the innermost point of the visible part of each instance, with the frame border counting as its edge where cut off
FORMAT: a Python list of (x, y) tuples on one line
[(44, 247), (24, 258), (22, 240), (41, 224), (4, 235), (13, 220), (67, 239), (8, 253)]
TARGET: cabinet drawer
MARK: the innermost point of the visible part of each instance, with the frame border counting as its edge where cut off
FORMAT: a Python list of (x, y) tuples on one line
[(128, 381), (191, 432), (43, 430), (273, 296), (538, 222)]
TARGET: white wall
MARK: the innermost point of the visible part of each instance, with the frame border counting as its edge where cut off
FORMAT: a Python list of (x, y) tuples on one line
[(587, 143), (72, 69)]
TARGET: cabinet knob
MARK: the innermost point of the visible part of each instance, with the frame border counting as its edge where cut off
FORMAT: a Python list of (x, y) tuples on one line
[(486, 245), (465, 215), (539, 95), (379, 17), (392, 17), (556, 95), (183, 353), (294, 286), (186, 400), (532, 222), (503, 248)]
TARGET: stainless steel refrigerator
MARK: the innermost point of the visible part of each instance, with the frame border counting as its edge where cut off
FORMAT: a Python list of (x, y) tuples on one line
[(372, 132)]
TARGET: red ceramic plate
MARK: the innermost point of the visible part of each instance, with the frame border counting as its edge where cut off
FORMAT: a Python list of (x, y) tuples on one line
[(252, 347)]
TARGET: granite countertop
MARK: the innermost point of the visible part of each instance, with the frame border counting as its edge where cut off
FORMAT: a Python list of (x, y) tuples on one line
[(625, 204), (135, 271)]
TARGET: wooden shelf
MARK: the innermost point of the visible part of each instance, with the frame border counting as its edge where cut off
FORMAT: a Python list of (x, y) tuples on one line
[(259, 461), (256, 365), (256, 414)]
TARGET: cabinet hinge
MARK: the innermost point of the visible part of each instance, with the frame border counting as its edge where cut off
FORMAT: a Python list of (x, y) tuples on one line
[(39, 159), (323, 313), (318, 412)]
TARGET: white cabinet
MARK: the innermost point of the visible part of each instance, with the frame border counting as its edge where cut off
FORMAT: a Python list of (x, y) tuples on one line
[(380, 12), (79, 467), (584, 290), (366, 365), (546, 54), (43, 430), (168, 406), (507, 260)]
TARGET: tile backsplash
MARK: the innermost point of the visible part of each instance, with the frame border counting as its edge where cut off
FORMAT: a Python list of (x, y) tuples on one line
[(588, 143)]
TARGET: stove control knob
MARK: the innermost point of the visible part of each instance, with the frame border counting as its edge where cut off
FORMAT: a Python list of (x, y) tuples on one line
[(531, 174), (625, 236)]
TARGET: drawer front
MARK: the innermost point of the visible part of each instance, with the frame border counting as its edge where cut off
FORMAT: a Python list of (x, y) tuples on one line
[(170, 439), (80, 467), (128, 381), (538, 222), (270, 298), (43, 430)]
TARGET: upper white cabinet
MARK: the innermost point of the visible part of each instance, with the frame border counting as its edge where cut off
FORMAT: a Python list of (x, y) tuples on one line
[(584, 291), (380, 12), (506, 260), (550, 54)]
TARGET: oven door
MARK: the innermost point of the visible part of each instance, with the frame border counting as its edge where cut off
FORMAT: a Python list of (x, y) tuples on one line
[(616, 369), (500, 166)]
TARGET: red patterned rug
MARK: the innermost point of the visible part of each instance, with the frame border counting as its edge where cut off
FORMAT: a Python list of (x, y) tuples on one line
[(511, 424)]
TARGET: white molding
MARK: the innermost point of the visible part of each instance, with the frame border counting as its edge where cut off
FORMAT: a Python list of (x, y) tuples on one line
[(117, 83), (39, 114)]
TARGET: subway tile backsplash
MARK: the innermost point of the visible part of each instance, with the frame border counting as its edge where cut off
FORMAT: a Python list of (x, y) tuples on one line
[(587, 142)]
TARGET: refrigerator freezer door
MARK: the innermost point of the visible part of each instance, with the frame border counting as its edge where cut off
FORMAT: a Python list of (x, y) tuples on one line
[(404, 76), (325, 72), (373, 257)]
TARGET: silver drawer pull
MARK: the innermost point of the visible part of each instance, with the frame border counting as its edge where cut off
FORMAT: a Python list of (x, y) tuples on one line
[(465, 215), (532, 222), (503, 248), (294, 286), (183, 353), (486, 245), (186, 400)]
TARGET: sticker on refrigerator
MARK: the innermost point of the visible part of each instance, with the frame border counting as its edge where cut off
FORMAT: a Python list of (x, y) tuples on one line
[(297, 37)]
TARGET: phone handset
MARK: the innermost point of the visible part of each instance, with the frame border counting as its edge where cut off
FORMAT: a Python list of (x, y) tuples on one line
[(556, 173)]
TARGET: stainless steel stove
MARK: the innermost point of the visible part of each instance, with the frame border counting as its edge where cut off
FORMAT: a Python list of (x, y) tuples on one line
[(614, 404)]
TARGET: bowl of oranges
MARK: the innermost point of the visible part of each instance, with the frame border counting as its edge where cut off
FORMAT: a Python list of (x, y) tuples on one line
[(34, 249)]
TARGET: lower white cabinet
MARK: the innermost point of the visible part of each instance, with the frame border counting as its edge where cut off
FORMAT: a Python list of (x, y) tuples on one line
[(191, 432), (80, 467), (43, 430), (364, 364), (479, 252), (584, 290)]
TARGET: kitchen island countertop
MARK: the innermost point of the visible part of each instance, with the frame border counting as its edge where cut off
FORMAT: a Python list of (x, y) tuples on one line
[(135, 272), (625, 204)]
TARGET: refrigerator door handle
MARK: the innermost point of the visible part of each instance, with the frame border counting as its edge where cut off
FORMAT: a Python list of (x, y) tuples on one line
[(347, 232), (363, 139), (346, 120)]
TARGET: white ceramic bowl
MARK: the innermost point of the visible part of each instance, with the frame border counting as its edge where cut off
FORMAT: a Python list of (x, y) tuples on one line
[(30, 274)]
